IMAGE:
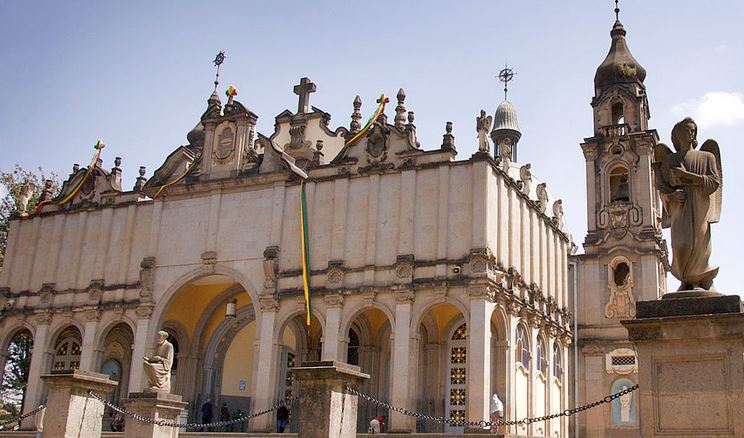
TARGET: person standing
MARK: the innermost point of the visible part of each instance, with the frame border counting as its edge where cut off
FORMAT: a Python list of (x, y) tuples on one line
[(282, 418), (206, 411), (497, 413), (224, 414)]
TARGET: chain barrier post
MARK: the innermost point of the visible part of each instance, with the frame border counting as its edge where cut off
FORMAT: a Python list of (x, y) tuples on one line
[(328, 409), (161, 407), (73, 412)]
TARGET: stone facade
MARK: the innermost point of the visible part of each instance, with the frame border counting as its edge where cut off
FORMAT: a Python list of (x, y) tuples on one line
[(452, 273)]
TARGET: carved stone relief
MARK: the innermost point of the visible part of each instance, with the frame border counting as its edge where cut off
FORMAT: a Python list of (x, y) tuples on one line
[(271, 266), (621, 361), (147, 276), (224, 146), (621, 303)]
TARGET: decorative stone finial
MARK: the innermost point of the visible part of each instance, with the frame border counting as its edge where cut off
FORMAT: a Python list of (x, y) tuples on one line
[(355, 126), (400, 110), (75, 168), (448, 140), (117, 162), (410, 117), (140, 182)]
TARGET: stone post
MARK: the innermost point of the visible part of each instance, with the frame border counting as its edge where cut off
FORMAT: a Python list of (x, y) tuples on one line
[(327, 409), (331, 335), (157, 405), (690, 367), (71, 411)]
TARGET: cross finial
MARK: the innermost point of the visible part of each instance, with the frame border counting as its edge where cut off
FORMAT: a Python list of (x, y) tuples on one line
[(218, 60), (617, 10), (303, 89), (506, 75)]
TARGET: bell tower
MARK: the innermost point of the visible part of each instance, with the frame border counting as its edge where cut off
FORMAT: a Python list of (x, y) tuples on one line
[(624, 258)]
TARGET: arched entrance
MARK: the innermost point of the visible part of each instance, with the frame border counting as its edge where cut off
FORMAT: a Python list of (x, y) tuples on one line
[(17, 360), (368, 346), (441, 389), (116, 360), (213, 346)]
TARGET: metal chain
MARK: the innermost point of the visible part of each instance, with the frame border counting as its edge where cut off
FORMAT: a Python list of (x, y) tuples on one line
[(215, 424), (484, 423), (5, 422)]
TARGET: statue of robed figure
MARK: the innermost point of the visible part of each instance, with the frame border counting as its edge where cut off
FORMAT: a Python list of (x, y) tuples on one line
[(158, 366), (690, 182)]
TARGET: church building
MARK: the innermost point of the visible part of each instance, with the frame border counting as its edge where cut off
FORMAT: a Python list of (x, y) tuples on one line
[(447, 279)]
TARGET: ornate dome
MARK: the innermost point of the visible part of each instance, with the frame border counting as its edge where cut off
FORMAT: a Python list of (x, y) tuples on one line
[(195, 137), (505, 118), (619, 65)]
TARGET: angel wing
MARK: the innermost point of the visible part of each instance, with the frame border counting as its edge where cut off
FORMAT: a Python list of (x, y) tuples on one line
[(714, 211), (661, 176)]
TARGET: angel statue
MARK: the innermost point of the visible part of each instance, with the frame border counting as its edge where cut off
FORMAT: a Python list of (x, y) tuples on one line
[(690, 182), (483, 127)]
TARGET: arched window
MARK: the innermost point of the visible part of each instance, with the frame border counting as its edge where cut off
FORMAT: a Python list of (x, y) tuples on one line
[(557, 365), (522, 350), (67, 355), (618, 113), (542, 359), (621, 274), (619, 184), (352, 351)]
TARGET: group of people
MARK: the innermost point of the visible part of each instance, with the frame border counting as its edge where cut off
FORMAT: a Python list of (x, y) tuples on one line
[(207, 412)]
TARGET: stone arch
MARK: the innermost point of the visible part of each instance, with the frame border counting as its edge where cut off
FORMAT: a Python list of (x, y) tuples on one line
[(279, 328), (358, 309), (110, 325), (164, 300), (12, 334), (218, 301), (14, 329), (217, 347), (431, 303), (65, 333), (57, 331), (184, 341)]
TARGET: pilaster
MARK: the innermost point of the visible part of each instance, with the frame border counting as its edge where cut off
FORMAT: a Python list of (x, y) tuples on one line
[(400, 395)]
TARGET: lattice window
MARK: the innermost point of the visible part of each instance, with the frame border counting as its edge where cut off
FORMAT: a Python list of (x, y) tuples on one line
[(461, 333), (458, 355), (457, 397), (457, 376), (457, 415), (623, 360), (67, 355)]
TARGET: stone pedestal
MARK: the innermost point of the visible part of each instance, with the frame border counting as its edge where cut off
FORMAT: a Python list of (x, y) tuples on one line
[(690, 366), (152, 404), (71, 411), (327, 409)]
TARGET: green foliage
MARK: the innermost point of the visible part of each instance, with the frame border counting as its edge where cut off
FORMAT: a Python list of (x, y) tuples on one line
[(15, 376), (12, 185)]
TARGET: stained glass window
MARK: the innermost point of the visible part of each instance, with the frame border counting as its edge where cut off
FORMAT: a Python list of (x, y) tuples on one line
[(522, 352), (542, 359), (461, 333), (557, 365)]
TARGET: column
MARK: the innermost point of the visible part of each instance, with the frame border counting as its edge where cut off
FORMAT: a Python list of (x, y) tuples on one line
[(401, 356), (38, 359), (478, 392), (88, 350), (265, 381), (332, 336), (138, 351)]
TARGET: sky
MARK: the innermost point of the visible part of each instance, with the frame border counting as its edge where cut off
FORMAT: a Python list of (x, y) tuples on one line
[(137, 74)]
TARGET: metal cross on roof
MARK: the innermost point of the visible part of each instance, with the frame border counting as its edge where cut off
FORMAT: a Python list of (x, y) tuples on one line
[(617, 10), (218, 60), (506, 75), (303, 89)]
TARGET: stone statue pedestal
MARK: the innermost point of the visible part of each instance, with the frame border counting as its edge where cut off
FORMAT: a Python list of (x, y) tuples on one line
[(159, 405), (71, 411), (327, 409), (690, 367)]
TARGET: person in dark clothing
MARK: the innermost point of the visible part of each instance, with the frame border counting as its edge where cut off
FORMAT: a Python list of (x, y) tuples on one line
[(117, 424), (282, 418), (206, 411), (224, 414)]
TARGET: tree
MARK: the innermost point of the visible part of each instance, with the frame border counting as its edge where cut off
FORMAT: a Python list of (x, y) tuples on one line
[(12, 185), (15, 375)]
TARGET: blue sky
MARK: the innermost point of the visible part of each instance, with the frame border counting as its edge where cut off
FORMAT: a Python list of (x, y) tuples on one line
[(138, 74)]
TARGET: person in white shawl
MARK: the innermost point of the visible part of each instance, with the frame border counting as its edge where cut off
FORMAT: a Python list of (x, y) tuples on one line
[(497, 412)]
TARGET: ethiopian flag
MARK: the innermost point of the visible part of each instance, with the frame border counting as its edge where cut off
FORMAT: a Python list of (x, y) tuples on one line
[(305, 251)]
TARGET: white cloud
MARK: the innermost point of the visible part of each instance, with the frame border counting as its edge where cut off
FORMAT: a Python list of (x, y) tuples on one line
[(715, 108)]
